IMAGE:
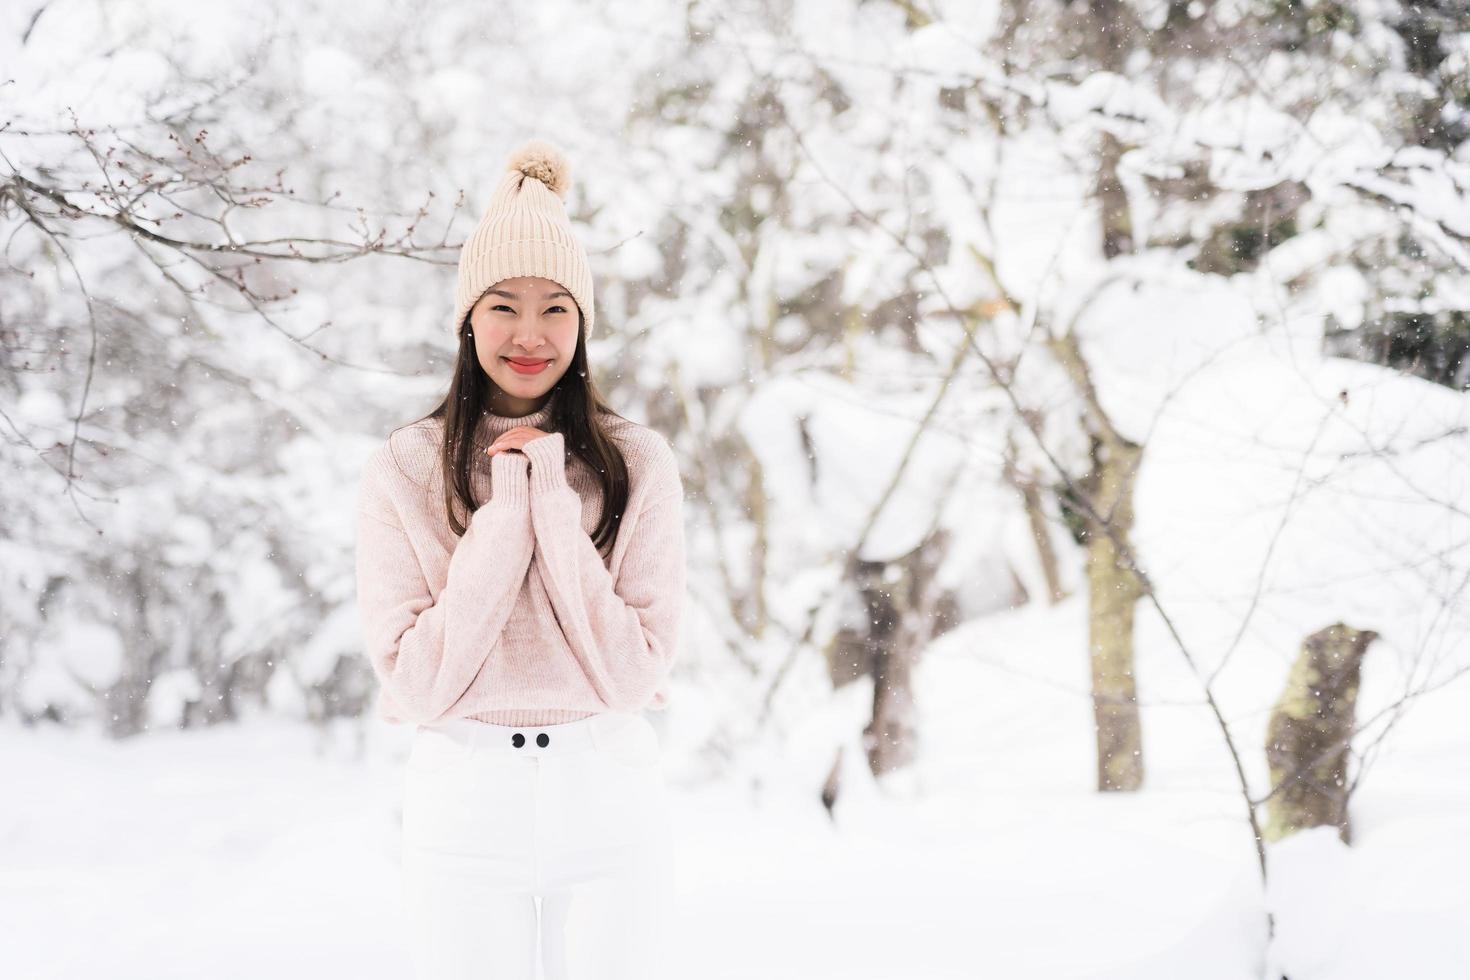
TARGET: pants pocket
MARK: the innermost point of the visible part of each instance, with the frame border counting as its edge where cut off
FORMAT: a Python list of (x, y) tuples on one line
[(627, 739), (433, 751)]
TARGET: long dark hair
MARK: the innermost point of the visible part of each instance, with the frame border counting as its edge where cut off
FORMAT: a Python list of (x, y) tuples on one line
[(577, 412)]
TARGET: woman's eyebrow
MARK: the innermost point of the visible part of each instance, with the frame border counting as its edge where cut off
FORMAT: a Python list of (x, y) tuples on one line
[(507, 295)]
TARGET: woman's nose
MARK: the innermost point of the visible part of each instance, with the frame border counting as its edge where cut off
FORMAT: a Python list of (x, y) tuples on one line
[(527, 333)]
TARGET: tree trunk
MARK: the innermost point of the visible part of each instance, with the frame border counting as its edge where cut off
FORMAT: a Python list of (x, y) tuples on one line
[(889, 735), (1308, 738), (1113, 592), (900, 613), (1030, 490)]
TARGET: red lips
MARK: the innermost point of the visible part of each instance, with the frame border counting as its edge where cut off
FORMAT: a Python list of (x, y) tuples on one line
[(527, 365)]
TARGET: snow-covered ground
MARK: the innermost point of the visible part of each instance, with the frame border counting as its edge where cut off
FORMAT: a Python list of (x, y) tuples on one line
[(267, 849)]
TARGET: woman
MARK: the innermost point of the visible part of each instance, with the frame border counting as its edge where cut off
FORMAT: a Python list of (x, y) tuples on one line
[(520, 576)]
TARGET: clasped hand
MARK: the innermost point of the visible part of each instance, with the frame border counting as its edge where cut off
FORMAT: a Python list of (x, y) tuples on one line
[(515, 438)]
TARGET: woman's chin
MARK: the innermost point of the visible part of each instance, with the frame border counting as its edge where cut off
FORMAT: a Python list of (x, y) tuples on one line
[(525, 386)]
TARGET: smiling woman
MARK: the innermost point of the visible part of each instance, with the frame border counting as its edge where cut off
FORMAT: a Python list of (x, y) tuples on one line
[(535, 822)]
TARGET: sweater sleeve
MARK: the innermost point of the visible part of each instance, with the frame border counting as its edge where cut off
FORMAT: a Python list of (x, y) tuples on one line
[(426, 649), (624, 631)]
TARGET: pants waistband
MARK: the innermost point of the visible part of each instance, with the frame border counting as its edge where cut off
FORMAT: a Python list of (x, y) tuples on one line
[(529, 740)]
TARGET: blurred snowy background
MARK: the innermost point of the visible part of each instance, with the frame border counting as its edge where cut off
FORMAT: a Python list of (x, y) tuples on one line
[(956, 312)]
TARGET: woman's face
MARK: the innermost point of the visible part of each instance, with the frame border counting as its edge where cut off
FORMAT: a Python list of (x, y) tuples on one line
[(525, 334)]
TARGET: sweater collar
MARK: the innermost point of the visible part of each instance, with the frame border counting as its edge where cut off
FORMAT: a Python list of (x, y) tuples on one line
[(490, 425)]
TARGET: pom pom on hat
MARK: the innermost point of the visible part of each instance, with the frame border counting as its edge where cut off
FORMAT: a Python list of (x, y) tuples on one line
[(538, 158)]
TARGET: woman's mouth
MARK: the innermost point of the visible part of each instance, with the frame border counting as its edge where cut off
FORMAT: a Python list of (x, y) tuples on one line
[(527, 365)]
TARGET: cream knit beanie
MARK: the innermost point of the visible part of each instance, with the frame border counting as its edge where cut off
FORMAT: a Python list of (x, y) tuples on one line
[(525, 232)]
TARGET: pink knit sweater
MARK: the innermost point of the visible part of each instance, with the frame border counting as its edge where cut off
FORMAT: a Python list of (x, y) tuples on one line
[(520, 621)]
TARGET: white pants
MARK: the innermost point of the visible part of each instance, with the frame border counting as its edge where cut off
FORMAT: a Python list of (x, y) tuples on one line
[(556, 849)]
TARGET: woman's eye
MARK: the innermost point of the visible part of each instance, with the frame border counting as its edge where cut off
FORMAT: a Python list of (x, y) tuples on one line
[(502, 306), (562, 308)]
